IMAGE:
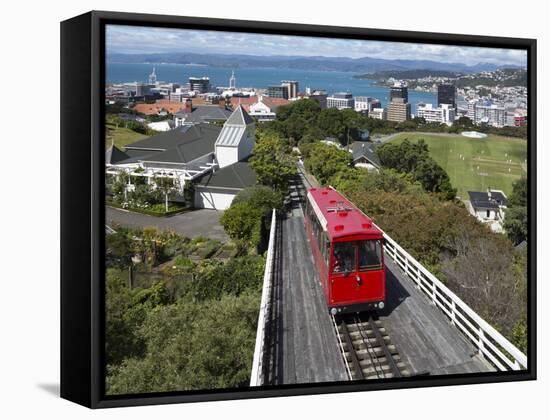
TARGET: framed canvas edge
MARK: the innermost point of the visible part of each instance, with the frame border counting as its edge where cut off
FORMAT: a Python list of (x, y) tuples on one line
[(98, 19)]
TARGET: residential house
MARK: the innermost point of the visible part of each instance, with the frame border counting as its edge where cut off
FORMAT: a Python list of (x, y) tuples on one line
[(188, 153)]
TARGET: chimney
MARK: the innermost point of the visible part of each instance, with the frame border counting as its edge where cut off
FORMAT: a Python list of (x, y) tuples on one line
[(188, 105)]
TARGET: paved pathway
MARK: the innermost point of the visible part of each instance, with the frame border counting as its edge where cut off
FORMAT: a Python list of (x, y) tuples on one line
[(194, 223)]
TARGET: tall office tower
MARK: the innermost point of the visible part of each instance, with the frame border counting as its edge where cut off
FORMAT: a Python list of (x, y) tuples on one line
[(399, 91), (199, 84), (399, 110), (292, 86), (446, 94), (278, 91)]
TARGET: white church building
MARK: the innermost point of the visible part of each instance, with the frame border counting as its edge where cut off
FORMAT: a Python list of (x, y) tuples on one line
[(214, 159)]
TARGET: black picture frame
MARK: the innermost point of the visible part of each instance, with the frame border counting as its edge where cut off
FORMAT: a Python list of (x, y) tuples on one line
[(83, 204)]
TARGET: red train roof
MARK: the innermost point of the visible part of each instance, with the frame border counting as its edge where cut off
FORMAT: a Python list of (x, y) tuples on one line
[(339, 216)]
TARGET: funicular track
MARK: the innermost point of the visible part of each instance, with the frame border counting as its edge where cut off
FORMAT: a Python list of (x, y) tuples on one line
[(272, 357), (367, 349)]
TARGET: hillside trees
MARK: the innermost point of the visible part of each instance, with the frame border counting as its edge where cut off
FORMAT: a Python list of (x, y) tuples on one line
[(515, 221), (272, 161), (326, 160), (414, 159)]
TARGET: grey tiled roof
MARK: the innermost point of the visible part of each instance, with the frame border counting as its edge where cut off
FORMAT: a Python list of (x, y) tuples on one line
[(481, 200), (180, 145), (203, 113), (237, 176), (361, 149), (114, 155), (239, 117)]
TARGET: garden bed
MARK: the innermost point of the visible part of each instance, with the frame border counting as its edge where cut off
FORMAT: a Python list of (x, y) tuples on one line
[(152, 211)]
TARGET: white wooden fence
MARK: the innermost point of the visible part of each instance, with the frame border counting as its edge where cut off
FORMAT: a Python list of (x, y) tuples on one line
[(491, 344), (256, 378)]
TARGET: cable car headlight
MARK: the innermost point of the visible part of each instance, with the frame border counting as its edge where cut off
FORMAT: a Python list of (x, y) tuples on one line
[(381, 305)]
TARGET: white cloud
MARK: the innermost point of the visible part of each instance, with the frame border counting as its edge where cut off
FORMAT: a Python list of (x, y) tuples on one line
[(128, 39)]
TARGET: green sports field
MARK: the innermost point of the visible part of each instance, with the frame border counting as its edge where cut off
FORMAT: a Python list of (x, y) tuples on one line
[(476, 164)]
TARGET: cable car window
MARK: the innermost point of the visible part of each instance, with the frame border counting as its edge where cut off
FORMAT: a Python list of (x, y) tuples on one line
[(344, 257), (370, 255)]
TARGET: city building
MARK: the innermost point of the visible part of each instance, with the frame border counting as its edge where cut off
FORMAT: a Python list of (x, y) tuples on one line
[(516, 117), (399, 110), (178, 96), (446, 94), (378, 113), (317, 95), (366, 104), (444, 114), (493, 115), (399, 91), (471, 113), (292, 86), (341, 100), (199, 84), (277, 91)]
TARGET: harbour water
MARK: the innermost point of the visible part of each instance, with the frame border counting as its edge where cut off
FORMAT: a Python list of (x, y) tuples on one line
[(331, 81)]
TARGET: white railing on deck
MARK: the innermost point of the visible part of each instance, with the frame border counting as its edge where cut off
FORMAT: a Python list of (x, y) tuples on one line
[(256, 378), (491, 344)]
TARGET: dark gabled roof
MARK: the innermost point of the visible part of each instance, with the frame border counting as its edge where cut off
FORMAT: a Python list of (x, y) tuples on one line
[(204, 113), (180, 145), (239, 117), (236, 176), (481, 200), (114, 155), (367, 150)]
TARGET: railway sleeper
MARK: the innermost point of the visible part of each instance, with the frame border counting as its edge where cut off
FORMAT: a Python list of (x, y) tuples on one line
[(365, 362), (378, 350), (365, 328), (371, 341)]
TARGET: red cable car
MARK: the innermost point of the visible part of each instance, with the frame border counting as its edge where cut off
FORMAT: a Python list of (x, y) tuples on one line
[(348, 252)]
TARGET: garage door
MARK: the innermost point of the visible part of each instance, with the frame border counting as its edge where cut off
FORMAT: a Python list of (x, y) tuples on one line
[(213, 200)]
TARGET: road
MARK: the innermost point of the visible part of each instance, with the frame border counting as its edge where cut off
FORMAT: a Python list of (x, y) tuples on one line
[(194, 223)]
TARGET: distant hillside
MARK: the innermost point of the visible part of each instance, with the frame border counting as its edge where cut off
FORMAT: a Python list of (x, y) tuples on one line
[(505, 77), (408, 74), (357, 65)]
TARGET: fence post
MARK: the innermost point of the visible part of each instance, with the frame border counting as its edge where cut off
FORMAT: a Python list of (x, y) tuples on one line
[(481, 345), (453, 309)]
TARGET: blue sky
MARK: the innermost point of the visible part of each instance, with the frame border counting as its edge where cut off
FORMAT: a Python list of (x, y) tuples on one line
[(132, 40)]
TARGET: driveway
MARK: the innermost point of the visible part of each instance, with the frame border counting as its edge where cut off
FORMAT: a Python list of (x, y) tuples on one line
[(194, 223)]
